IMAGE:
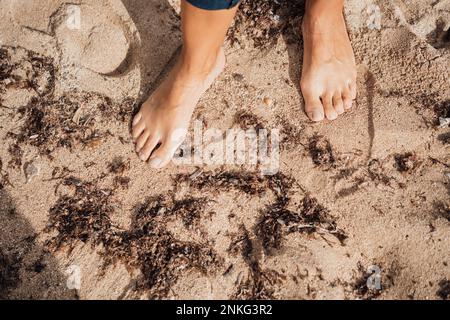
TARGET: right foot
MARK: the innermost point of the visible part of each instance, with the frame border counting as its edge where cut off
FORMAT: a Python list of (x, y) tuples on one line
[(161, 124)]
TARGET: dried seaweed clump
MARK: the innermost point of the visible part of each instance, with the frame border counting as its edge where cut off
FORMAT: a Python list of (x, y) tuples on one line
[(265, 21), (25, 69), (247, 120), (83, 216), (160, 257), (321, 151), (359, 285), (310, 217), (406, 162), (226, 180), (245, 182), (259, 284), (444, 289), (67, 121), (291, 135), (147, 245), (276, 219), (441, 210)]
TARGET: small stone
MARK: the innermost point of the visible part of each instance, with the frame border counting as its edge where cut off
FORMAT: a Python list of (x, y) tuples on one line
[(238, 77), (268, 102), (31, 170), (444, 122)]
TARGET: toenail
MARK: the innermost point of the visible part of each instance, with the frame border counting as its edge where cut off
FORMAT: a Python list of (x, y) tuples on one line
[(315, 115), (142, 157), (155, 163), (332, 117)]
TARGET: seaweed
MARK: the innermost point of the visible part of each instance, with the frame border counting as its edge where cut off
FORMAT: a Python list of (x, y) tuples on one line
[(444, 138), (442, 109), (26, 69), (321, 152), (406, 162), (265, 21), (375, 171), (227, 180), (50, 122), (83, 216), (310, 217), (291, 135), (269, 229), (148, 245), (118, 166), (259, 284), (359, 285), (16, 154), (444, 289), (441, 210), (67, 121), (247, 120)]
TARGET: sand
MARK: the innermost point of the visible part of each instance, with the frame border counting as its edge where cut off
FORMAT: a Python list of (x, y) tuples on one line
[(82, 218)]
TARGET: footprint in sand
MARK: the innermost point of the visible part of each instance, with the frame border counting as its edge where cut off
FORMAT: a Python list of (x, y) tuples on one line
[(89, 35), (93, 38), (114, 47), (92, 43)]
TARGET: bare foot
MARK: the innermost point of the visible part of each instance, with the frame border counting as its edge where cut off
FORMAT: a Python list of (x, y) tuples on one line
[(161, 125), (328, 80)]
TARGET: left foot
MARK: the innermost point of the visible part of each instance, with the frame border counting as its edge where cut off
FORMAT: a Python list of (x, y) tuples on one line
[(328, 80)]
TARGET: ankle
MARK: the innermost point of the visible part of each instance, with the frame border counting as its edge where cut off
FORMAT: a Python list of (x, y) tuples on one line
[(198, 64), (321, 15)]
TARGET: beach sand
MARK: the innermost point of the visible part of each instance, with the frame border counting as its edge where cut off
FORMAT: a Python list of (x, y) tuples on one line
[(82, 217)]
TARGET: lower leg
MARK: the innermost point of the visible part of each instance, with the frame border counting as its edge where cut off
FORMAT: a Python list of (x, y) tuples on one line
[(160, 126), (329, 73), (203, 35)]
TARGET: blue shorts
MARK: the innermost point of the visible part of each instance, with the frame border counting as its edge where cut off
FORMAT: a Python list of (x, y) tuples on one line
[(214, 4)]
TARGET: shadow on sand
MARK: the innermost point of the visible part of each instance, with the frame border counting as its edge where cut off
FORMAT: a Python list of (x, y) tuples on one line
[(27, 270)]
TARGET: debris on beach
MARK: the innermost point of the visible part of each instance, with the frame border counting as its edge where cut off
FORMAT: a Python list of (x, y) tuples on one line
[(148, 245), (406, 162), (321, 151), (259, 284), (263, 22), (444, 289), (310, 217)]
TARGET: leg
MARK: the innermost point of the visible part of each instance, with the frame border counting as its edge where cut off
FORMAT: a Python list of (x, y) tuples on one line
[(328, 80), (161, 125)]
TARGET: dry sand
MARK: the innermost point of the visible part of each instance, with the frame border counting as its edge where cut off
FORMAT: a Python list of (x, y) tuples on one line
[(372, 188)]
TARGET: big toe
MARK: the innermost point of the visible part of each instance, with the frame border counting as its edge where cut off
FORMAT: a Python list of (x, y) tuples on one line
[(314, 109), (164, 154)]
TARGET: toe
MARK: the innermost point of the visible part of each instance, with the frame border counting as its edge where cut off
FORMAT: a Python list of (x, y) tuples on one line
[(327, 101), (352, 87), (338, 104), (137, 130), (137, 118), (314, 108), (140, 142), (148, 148), (313, 105), (347, 98), (162, 156)]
